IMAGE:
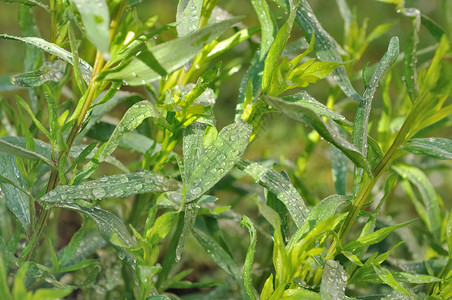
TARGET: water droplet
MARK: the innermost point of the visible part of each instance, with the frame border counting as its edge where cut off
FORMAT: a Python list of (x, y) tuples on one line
[(221, 157), (196, 190), (103, 178), (138, 186), (118, 192), (123, 179), (52, 193), (99, 192)]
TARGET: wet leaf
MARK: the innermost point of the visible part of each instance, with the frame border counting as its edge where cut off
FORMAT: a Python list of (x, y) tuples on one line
[(50, 71), (52, 49), (122, 185), (279, 186), (310, 118), (440, 148), (96, 20), (333, 281), (159, 61)]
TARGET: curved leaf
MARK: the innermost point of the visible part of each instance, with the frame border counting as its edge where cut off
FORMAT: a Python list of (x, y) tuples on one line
[(310, 118), (440, 148)]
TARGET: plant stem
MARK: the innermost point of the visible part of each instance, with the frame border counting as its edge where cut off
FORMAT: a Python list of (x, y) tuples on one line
[(54, 175)]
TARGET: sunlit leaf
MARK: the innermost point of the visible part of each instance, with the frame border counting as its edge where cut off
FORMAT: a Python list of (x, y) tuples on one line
[(96, 20), (159, 61)]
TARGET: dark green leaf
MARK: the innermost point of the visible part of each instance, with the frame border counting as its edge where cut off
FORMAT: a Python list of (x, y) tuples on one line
[(326, 47), (16, 200), (309, 117), (440, 148), (16, 150), (279, 186), (247, 271), (218, 254)]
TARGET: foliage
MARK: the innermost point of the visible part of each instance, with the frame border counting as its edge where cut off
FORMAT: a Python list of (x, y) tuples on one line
[(154, 187)]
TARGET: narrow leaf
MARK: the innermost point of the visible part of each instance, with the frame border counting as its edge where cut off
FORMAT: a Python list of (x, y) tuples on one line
[(280, 186), (19, 151), (374, 237), (107, 223), (96, 20), (218, 254), (131, 119), (16, 200), (50, 71), (440, 148), (310, 118), (111, 186), (428, 195), (326, 47), (52, 49), (386, 276), (161, 60), (247, 271), (333, 281)]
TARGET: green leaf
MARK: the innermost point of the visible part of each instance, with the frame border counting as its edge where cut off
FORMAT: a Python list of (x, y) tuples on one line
[(188, 16), (267, 26), (16, 150), (309, 117), (122, 185), (362, 115), (217, 160), (279, 186), (133, 117), (50, 71), (16, 200), (415, 278), (218, 254), (326, 47), (52, 49), (304, 99), (247, 271), (19, 289), (333, 281), (29, 2), (440, 148), (189, 221), (73, 245), (4, 289), (410, 58), (50, 294), (428, 195), (159, 61), (386, 276), (374, 237), (324, 210), (96, 20), (107, 223), (276, 49), (434, 28)]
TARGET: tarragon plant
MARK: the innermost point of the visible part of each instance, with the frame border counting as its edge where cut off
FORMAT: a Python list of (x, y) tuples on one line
[(113, 118)]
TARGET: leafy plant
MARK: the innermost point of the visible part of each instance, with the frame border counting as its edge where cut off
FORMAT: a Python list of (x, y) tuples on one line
[(162, 182)]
